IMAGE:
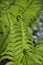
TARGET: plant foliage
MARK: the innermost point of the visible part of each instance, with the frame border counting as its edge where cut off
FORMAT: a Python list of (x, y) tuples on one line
[(16, 41)]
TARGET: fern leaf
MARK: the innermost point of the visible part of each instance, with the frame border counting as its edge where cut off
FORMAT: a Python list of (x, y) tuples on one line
[(17, 42)]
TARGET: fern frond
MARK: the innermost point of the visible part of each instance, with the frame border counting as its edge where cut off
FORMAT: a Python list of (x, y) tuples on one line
[(35, 55), (17, 42), (4, 28)]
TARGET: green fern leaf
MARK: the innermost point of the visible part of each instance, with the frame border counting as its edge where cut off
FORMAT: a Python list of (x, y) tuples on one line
[(16, 42)]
